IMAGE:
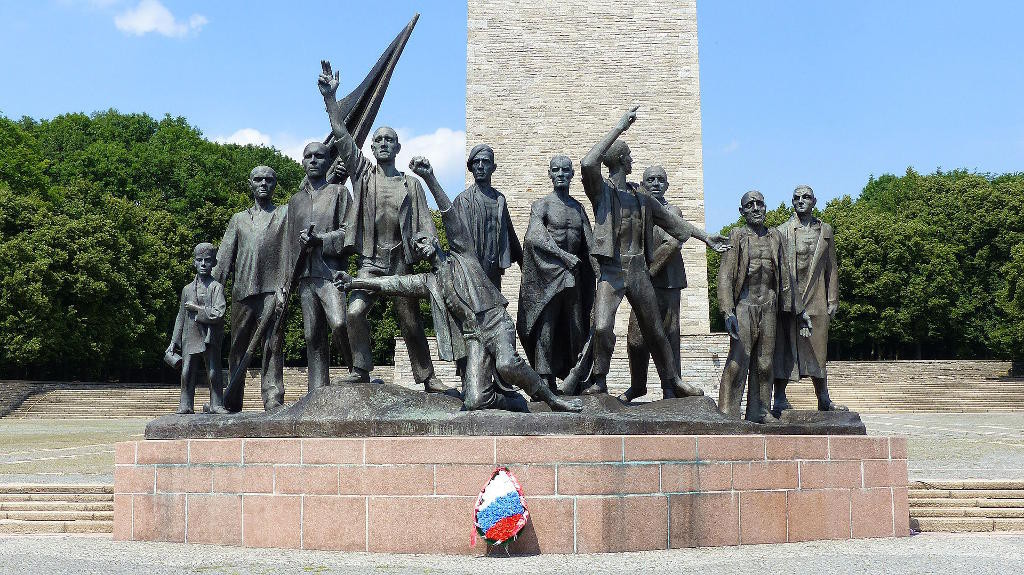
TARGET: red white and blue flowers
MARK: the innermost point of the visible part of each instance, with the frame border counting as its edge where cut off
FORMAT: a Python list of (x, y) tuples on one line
[(500, 511)]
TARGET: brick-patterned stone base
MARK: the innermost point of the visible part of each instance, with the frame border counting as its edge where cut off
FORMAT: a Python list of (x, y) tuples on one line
[(586, 494)]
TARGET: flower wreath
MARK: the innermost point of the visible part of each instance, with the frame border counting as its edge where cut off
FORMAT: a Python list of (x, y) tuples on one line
[(500, 511)]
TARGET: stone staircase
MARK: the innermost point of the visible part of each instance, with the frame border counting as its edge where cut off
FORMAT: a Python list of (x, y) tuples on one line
[(918, 386), (44, 508), (967, 505)]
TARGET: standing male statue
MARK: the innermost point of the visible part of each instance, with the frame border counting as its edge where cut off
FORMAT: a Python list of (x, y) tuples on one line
[(322, 206), (252, 249), (390, 211), (668, 277), (485, 212), (814, 277), (624, 221), (751, 284), (464, 300), (557, 292)]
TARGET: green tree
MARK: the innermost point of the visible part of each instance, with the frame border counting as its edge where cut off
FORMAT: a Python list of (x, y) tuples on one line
[(927, 266)]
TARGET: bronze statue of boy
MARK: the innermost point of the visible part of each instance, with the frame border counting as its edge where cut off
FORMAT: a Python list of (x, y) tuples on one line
[(199, 333)]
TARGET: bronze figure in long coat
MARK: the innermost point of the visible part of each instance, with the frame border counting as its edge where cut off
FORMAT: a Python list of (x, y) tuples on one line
[(813, 273)]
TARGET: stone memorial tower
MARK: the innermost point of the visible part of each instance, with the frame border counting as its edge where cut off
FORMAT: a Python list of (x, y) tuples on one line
[(546, 78)]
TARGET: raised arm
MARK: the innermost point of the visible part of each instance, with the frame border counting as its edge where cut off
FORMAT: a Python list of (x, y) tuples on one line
[(459, 240), (590, 167), (348, 150), (683, 230)]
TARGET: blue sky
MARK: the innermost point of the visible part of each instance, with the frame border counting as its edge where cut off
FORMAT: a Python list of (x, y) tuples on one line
[(823, 93)]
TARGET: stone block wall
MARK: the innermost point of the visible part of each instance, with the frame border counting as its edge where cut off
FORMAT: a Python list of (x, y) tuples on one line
[(586, 494), (547, 78)]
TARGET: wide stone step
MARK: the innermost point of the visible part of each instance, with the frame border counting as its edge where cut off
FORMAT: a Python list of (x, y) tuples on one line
[(58, 515), (57, 505), (991, 513), (46, 488), (923, 502), (967, 494), (1008, 524), (1004, 503), (1017, 484), (15, 526), (56, 497), (953, 524)]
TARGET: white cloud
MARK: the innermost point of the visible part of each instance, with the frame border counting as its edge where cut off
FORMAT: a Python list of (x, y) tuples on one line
[(152, 16), (444, 147), (244, 137), (731, 147), (293, 147), (288, 144)]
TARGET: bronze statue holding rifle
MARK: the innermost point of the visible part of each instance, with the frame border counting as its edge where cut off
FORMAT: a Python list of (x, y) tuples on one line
[(251, 249), (314, 233)]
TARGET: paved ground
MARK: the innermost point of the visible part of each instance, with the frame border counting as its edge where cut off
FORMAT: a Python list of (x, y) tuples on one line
[(63, 450), (931, 553), (941, 446), (957, 445)]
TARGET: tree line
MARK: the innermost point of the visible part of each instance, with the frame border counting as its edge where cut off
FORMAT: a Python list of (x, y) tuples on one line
[(930, 267), (99, 214), (98, 217)]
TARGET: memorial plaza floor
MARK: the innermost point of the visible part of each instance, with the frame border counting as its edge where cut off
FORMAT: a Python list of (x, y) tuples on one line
[(941, 446), (927, 553)]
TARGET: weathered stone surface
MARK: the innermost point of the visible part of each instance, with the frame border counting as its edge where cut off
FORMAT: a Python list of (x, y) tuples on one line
[(371, 410), (558, 71)]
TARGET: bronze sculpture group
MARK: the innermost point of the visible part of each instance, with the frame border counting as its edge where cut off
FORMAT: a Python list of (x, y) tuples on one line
[(777, 287)]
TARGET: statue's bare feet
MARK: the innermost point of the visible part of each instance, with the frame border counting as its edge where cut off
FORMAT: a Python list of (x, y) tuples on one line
[(185, 411), (631, 394), (832, 406), (683, 389), (570, 404), (768, 419), (217, 409), (273, 406)]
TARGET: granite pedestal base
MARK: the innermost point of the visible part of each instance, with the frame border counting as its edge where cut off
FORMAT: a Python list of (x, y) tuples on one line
[(586, 494)]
